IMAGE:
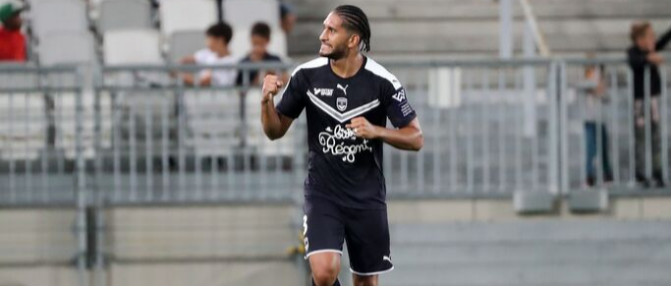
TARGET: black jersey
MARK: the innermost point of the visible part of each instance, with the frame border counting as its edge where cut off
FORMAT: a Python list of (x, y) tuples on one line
[(342, 167)]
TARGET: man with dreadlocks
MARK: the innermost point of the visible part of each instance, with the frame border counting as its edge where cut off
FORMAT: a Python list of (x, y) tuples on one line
[(348, 98)]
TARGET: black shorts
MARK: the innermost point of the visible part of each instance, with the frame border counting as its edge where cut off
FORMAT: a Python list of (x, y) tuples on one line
[(326, 225)]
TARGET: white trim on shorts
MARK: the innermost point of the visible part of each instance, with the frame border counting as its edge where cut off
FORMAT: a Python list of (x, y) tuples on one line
[(323, 250), (372, 273)]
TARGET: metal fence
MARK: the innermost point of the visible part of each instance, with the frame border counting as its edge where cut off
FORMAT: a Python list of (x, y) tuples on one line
[(165, 142), (600, 128), (489, 130), (41, 163), (136, 135), (96, 141)]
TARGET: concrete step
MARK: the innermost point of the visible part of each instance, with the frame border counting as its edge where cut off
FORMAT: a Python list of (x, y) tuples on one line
[(534, 273), (468, 9), (574, 253), (545, 230), (635, 251), (480, 36)]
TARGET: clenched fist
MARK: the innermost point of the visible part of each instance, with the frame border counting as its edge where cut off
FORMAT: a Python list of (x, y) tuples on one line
[(362, 128), (271, 85)]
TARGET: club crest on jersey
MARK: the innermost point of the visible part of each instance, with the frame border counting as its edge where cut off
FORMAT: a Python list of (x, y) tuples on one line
[(341, 103), (324, 91)]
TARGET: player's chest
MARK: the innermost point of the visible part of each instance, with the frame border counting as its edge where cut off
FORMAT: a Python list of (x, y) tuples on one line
[(343, 100)]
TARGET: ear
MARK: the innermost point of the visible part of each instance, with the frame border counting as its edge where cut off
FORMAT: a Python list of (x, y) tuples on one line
[(354, 41)]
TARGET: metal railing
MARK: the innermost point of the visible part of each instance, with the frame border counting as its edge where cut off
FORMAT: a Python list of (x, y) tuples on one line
[(138, 135), (487, 126), (611, 140), (96, 140)]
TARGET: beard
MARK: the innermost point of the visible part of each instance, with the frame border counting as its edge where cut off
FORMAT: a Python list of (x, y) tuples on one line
[(337, 53)]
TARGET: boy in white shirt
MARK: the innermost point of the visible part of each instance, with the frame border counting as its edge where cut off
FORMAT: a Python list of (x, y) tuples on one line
[(216, 54)]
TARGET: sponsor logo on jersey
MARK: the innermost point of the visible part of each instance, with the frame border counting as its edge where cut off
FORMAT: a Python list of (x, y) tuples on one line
[(344, 89), (324, 91), (333, 142), (399, 96)]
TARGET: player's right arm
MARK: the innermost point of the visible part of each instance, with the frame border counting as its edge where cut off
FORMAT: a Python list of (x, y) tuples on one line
[(275, 125)]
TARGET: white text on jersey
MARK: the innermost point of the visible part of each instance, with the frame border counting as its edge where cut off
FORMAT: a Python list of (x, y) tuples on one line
[(324, 91)]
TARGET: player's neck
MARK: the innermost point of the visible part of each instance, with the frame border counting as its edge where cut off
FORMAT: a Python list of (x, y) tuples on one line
[(347, 66)]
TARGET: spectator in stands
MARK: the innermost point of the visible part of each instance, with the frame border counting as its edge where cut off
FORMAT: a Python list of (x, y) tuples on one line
[(596, 135), (260, 38), (287, 17), (12, 41), (217, 54), (643, 55)]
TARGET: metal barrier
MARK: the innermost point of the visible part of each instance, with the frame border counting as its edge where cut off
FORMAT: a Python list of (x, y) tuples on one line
[(162, 141), (97, 140), (138, 135), (489, 128), (41, 163), (35, 104), (600, 128)]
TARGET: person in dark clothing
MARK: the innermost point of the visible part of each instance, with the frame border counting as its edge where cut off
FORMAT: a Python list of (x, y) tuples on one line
[(348, 98), (260, 38), (644, 59)]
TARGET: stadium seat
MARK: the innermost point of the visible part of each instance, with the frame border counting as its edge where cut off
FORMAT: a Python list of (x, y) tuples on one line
[(241, 44), (145, 50), (185, 43), (66, 48), (145, 47), (244, 13), (181, 15), (56, 16), (124, 15)]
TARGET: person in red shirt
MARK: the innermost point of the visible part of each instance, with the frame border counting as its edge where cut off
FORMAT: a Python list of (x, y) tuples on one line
[(12, 41)]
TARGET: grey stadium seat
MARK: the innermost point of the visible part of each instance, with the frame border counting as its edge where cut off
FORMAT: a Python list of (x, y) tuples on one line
[(185, 43), (55, 16), (71, 48), (145, 47), (124, 14), (66, 48), (181, 15), (244, 13)]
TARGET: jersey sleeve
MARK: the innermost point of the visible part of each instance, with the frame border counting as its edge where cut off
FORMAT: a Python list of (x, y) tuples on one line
[(398, 109), (293, 98)]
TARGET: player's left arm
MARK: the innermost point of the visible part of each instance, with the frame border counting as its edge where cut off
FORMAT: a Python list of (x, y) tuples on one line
[(408, 137)]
